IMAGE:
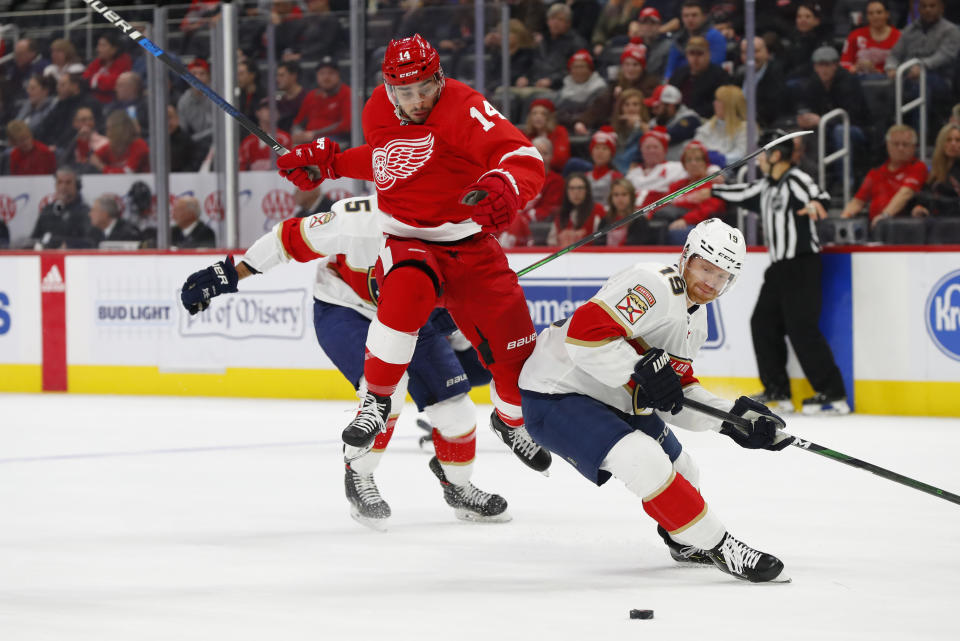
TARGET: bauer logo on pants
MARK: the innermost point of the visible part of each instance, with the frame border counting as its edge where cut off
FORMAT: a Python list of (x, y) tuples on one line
[(943, 315)]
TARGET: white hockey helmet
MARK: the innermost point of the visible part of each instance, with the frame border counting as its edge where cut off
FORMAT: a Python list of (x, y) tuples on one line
[(717, 242)]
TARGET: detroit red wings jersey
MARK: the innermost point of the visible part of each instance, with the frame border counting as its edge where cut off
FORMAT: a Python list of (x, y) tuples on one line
[(594, 351), (421, 169), (346, 238)]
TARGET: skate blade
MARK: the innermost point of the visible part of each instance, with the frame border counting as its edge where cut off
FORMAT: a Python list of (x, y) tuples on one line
[(377, 525), (473, 517), (783, 577), (363, 452)]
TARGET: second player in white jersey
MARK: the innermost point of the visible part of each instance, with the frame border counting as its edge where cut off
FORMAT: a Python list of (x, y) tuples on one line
[(600, 385)]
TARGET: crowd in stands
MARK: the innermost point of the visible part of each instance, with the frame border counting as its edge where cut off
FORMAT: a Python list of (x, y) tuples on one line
[(627, 100)]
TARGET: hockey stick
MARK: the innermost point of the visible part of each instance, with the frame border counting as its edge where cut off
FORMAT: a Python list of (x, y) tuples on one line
[(840, 457), (474, 196), (178, 67)]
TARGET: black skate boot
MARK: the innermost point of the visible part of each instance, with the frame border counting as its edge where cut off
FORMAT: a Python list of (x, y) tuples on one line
[(518, 440), (369, 421), (738, 559), (685, 554), (468, 502), (366, 505)]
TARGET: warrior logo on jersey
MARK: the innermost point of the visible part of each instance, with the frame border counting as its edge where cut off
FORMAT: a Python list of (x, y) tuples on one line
[(321, 219), (632, 307), (400, 159)]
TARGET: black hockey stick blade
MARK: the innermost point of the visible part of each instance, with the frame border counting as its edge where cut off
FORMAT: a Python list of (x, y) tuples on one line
[(834, 455), (643, 211), (177, 66)]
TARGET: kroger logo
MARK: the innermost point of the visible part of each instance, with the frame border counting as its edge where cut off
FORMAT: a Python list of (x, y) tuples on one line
[(943, 315), (550, 300)]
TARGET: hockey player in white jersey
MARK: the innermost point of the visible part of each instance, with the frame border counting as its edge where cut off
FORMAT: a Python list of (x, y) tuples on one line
[(346, 241), (601, 383)]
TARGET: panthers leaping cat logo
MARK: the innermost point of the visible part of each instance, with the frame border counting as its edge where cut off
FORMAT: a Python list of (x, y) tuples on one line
[(400, 159)]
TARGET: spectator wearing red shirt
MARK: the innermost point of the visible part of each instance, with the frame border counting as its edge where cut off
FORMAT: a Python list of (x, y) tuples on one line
[(866, 49), (889, 187), (326, 110), (542, 207), (103, 72), (579, 215), (28, 157), (126, 153), (698, 205), (254, 153), (541, 121)]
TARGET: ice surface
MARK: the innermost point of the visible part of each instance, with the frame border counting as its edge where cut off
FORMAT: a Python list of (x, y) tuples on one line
[(133, 518)]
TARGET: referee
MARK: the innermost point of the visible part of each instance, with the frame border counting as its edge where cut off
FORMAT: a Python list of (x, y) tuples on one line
[(790, 203)]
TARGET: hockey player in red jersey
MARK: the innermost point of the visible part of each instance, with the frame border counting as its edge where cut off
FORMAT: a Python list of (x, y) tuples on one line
[(345, 245), (450, 172), (592, 384)]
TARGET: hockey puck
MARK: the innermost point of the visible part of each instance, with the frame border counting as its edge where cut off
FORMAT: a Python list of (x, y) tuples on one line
[(641, 614)]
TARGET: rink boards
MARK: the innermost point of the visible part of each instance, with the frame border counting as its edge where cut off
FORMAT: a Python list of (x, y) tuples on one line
[(112, 323)]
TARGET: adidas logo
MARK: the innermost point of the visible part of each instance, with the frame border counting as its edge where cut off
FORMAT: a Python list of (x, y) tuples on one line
[(53, 281)]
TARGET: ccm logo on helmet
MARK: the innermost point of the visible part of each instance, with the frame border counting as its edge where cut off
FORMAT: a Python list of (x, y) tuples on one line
[(409, 73), (520, 342)]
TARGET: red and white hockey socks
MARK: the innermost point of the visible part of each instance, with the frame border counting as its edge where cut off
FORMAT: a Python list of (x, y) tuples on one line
[(455, 436), (668, 497), (406, 300)]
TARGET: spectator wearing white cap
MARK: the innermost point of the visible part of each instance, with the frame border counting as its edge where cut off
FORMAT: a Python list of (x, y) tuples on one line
[(668, 111)]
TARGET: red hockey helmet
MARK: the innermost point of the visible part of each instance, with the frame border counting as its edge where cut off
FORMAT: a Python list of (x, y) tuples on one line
[(410, 60)]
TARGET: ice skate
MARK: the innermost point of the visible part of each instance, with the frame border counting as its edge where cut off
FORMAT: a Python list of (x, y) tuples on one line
[(822, 404), (366, 505), (518, 440), (777, 400), (738, 559), (370, 421), (468, 502), (685, 554)]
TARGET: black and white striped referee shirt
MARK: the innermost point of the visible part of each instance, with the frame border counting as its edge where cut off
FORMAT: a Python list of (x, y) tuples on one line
[(786, 234)]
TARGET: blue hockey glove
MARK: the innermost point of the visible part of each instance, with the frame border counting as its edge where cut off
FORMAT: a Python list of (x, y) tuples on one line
[(201, 286)]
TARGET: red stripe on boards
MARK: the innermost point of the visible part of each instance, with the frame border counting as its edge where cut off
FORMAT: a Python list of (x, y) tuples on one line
[(53, 286)]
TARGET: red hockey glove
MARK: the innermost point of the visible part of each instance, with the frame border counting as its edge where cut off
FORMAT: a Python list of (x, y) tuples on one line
[(308, 165), (495, 203)]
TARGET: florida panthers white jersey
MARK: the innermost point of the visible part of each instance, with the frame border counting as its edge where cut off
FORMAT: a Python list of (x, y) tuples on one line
[(594, 351), (346, 240)]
